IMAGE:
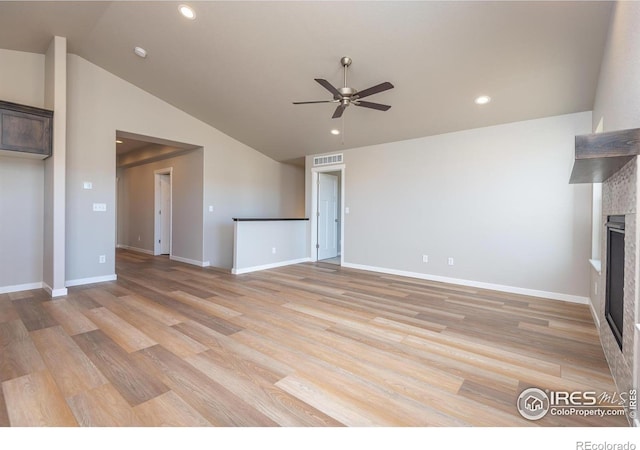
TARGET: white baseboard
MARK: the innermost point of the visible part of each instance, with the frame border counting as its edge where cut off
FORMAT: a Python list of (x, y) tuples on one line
[(54, 292), (476, 284), (594, 314), (269, 266), (91, 280), (135, 249), (21, 287), (193, 262)]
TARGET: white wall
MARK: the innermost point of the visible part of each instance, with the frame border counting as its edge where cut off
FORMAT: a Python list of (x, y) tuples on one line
[(21, 181), (21, 210), (617, 101), (496, 199), (136, 205), (238, 181), (22, 78), (255, 242)]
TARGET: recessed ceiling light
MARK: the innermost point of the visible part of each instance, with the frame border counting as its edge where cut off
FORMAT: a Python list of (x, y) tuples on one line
[(482, 100), (335, 132), (187, 11), (118, 141), (142, 53)]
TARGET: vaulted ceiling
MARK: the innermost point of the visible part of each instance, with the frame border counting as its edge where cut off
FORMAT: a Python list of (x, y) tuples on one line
[(239, 65)]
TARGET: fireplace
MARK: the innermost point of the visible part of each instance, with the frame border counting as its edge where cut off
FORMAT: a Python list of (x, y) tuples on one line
[(614, 297)]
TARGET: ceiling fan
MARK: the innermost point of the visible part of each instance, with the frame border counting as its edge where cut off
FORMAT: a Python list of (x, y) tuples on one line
[(346, 96)]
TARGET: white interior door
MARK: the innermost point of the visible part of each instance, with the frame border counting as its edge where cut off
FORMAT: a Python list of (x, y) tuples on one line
[(165, 214), (327, 216)]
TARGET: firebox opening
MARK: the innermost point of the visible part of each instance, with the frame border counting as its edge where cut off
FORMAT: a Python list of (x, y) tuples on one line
[(614, 300)]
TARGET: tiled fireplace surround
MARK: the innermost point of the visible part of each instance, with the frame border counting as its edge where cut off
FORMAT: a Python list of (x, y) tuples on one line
[(620, 197)]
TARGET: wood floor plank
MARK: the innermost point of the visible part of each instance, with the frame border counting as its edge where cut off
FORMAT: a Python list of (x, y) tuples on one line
[(219, 313), (471, 346), (70, 318), (122, 370), (226, 344), (20, 295), (33, 314), (130, 338), (72, 370), (260, 392), (103, 407), (213, 401), (4, 416), (164, 315), (357, 358), (169, 410), (530, 375), (563, 333), (330, 404), (353, 389), (150, 291), (208, 306), (18, 354), (7, 311), (34, 400)]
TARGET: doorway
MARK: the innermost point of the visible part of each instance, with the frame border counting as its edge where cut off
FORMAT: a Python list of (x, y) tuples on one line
[(163, 212), (327, 217)]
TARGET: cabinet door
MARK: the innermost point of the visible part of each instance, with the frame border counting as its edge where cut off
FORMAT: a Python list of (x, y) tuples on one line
[(25, 132)]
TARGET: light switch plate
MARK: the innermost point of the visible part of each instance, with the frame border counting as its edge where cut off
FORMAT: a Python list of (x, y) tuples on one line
[(87, 185)]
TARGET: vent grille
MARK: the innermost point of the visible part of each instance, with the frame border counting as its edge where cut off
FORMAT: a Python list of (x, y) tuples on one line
[(326, 160)]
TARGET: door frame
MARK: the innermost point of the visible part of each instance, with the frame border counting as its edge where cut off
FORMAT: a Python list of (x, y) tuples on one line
[(314, 208), (157, 227)]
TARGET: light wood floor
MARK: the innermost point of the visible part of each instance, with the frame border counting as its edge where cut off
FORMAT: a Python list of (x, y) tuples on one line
[(306, 345)]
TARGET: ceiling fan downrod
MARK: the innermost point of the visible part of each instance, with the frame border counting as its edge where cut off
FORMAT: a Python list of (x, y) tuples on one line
[(346, 62)]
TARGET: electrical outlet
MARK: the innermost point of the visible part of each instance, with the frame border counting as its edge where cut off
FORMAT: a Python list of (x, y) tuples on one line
[(450, 261), (87, 185), (273, 250), (210, 208), (102, 259), (100, 207), (425, 258)]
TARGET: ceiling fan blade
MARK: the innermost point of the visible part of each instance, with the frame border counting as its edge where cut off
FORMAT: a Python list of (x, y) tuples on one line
[(317, 101), (375, 89), (378, 106), (329, 87), (339, 110)]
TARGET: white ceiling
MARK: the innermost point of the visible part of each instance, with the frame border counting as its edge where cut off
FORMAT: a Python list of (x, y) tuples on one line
[(239, 65)]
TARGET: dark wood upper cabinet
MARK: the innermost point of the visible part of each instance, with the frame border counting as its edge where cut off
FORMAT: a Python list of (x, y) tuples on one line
[(25, 131)]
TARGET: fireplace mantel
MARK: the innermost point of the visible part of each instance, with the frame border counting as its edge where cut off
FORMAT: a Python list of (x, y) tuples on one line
[(598, 156)]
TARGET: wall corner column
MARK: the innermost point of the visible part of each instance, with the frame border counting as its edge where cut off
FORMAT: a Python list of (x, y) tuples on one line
[(55, 93)]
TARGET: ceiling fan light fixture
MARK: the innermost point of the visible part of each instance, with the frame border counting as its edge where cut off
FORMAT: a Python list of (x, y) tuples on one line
[(482, 100), (335, 132), (187, 11)]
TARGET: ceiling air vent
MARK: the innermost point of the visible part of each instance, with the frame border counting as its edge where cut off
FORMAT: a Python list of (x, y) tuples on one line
[(326, 160)]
